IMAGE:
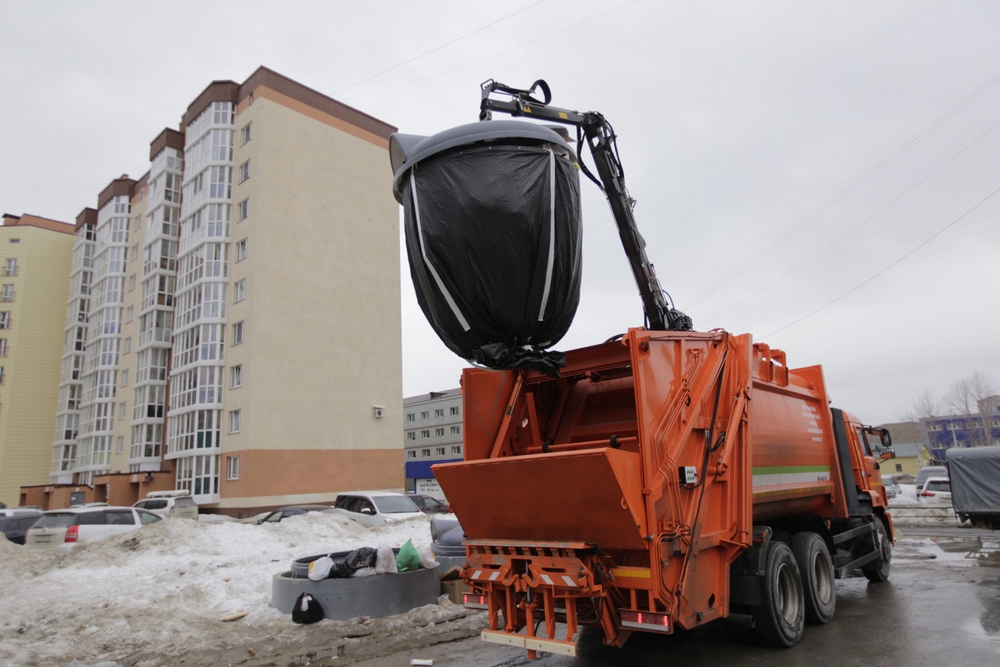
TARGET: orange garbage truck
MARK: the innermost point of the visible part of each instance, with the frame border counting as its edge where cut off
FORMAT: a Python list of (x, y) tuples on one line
[(664, 481), (661, 480)]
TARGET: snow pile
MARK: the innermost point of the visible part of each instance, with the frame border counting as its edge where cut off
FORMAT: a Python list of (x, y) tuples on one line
[(907, 497), (163, 587)]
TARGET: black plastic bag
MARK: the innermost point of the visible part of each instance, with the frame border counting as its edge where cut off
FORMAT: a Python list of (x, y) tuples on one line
[(307, 610), (354, 561), (494, 245)]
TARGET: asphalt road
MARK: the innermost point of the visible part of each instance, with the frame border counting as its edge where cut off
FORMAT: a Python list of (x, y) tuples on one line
[(941, 607)]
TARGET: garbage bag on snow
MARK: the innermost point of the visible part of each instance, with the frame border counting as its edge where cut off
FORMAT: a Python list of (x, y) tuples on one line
[(494, 243)]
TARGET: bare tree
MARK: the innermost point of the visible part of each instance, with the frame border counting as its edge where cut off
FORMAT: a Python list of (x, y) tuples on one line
[(964, 397), (924, 406)]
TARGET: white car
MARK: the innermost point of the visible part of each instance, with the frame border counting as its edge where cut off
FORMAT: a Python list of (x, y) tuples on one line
[(936, 492), (170, 504), (375, 508), (65, 530)]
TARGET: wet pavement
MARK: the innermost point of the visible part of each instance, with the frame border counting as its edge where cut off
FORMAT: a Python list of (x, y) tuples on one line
[(941, 606)]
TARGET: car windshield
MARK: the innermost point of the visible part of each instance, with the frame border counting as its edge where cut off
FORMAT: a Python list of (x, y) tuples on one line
[(61, 520), (394, 504)]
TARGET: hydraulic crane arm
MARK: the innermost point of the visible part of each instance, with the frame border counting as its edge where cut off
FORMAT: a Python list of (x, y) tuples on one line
[(600, 138)]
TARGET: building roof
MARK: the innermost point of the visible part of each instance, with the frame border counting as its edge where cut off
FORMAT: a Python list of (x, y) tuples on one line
[(434, 395), (230, 91), (907, 449), (905, 431), (28, 220)]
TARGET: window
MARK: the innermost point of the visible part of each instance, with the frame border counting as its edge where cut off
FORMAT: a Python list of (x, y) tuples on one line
[(425, 434), (1, 374), (232, 467), (135, 248), (5, 319), (240, 291), (439, 432), (455, 430), (411, 417), (439, 451), (241, 250), (411, 453), (130, 314), (243, 210), (425, 415), (15, 240), (120, 444), (456, 449), (121, 411), (424, 453), (131, 282), (234, 421), (125, 378), (246, 134), (8, 292), (237, 373), (3, 347), (454, 410), (244, 171), (127, 345), (237, 333), (412, 435), (10, 269), (439, 412)]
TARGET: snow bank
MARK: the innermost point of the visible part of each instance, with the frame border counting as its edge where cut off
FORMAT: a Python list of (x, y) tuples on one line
[(907, 497), (163, 587)]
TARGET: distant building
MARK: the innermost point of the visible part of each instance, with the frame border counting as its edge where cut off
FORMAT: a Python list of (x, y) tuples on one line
[(432, 433), (974, 430), (232, 323), (34, 279), (908, 445)]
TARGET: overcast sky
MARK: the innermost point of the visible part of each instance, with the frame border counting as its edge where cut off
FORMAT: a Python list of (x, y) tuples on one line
[(817, 174)]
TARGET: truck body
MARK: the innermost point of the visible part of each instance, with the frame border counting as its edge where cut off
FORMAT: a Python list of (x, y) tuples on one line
[(664, 480), (975, 484)]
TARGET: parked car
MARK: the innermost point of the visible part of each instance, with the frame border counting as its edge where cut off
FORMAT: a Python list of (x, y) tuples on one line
[(16, 525), (376, 508), (936, 492), (293, 510), (930, 471), (10, 511), (170, 504), (429, 504), (891, 486), (65, 530)]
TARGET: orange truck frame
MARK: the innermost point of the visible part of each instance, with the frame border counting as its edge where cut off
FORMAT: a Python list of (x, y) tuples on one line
[(665, 480)]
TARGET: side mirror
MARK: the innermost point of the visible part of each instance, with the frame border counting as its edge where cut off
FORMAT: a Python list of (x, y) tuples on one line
[(368, 510), (887, 454), (886, 439)]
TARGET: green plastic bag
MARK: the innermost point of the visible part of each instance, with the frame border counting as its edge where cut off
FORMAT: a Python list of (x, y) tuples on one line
[(407, 560)]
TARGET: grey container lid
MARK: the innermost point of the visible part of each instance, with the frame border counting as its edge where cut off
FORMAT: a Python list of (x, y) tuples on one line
[(406, 150)]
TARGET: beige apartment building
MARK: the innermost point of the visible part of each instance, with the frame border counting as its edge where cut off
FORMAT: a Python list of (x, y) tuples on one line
[(247, 348), (34, 279)]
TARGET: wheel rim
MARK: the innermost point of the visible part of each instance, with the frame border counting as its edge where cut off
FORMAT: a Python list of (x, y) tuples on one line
[(823, 578), (788, 594)]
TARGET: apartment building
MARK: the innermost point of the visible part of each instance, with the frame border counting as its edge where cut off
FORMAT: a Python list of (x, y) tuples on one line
[(34, 279), (244, 324), (432, 433)]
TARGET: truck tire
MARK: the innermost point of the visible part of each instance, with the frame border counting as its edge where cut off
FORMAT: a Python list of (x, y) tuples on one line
[(816, 568), (878, 571), (780, 617)]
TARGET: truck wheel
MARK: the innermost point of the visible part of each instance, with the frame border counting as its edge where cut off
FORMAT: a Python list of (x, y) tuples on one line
[(878, 571), (781, 615), (816, 568)]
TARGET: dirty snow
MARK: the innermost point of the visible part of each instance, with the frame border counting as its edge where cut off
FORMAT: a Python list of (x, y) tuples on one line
[(907, 497), (162, 589)]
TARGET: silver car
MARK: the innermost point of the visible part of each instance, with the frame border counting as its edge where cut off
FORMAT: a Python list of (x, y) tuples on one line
[(375, 508)]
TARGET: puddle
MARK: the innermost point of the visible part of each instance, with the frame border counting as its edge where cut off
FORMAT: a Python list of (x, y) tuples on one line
[(983, 551)]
